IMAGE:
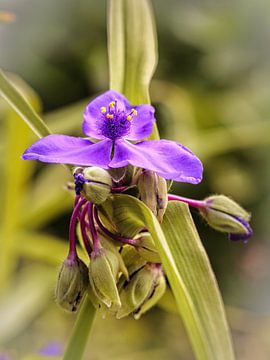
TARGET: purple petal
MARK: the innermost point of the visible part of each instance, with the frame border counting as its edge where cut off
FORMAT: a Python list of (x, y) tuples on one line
[(167, 158), (142, 123), (62, 149), (93, 115), (243, 236)]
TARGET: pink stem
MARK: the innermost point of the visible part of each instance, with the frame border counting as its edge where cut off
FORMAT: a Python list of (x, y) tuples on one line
[(190, 202), (72, 255), (83, 225), (93, 231)]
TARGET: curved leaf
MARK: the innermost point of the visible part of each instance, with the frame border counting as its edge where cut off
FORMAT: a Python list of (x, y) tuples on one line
[(132, 47), (13, 96), (188, 270)]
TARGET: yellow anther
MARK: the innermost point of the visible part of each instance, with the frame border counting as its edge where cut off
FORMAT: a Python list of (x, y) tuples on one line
[(129, 117), (103, 109), (112, 104), (109, 116), (134, 112)]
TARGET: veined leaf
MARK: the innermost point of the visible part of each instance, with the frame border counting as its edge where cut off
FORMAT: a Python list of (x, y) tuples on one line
[(188, 270), (132, 48), (194, 267)]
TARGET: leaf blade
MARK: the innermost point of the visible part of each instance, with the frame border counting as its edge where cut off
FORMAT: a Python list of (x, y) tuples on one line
[(125, 210), (12, 95)]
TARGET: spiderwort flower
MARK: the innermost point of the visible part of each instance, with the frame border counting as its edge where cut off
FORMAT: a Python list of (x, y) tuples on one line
[(116, 124)]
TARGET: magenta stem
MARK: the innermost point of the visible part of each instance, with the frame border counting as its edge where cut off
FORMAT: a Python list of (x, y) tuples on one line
[(110, 234), (72, 255), (190, 202), (92, 228), (84, 225)]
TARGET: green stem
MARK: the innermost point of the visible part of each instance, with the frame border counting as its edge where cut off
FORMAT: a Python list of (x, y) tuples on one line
[(81, 331)]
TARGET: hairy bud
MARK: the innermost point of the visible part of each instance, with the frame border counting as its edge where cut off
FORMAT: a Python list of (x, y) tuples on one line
[(72, 283), (146, 247), (225, 215), (136, 293), (153, 192), (103, 272), (97, 184)]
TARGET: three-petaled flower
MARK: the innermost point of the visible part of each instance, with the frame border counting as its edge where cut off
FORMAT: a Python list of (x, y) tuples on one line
[(120, 129)]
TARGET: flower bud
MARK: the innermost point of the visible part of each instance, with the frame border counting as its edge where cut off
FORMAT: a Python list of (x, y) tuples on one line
[(108, 244), (139, 290), (132, 259), (103, 273), (97, 184), (225, 215), (146, 247), (72, 283), (153, 192), (153, 299)]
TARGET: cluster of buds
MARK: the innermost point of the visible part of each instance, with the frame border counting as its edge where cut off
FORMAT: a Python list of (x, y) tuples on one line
[(124, 275)]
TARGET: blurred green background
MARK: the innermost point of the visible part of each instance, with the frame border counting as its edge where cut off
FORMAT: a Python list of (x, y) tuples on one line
[(211, 90)]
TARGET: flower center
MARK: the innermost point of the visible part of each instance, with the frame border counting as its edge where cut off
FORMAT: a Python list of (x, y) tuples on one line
[(115, 123)]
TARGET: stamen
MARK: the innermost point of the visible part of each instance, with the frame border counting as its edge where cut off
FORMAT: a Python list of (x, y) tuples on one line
[(112, 104), (103, 109), (134, 112), (129, 117), (109, 116)]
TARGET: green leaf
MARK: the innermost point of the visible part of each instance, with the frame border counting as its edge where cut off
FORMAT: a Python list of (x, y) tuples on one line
[(193, 264), (18, 102), (132, 48), (81, 331), (15, 175), (188, 270)]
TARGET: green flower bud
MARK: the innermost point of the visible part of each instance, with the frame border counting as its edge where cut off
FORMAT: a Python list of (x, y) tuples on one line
[(97, 186), (225, 215), (158, 292), (108, 244), (103, 272), (146, 247), (139, 290), (153, 192), (132, 259), (72, 283)]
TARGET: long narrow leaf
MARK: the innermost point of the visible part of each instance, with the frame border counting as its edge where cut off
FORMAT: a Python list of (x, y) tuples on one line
[(132, 48), (22, 107), (187, 268)]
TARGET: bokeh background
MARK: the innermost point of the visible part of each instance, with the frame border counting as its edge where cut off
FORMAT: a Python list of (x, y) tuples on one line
[(211, 90)]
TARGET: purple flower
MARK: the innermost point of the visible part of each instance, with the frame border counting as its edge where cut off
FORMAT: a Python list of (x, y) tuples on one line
[(111, 119)]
